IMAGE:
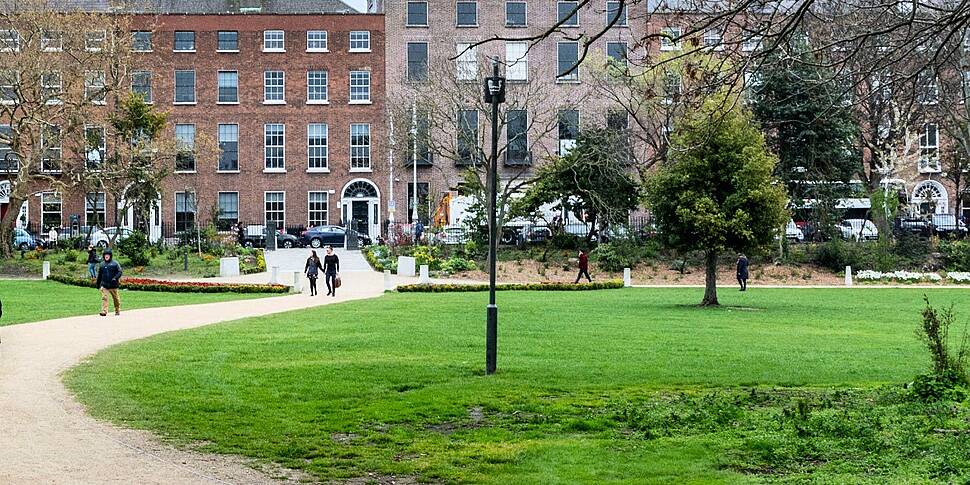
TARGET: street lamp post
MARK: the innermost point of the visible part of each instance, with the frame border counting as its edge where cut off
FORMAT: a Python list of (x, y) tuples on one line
[(494, 95)]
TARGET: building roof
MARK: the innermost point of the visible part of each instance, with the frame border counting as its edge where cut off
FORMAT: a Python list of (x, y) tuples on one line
[(170, 7)]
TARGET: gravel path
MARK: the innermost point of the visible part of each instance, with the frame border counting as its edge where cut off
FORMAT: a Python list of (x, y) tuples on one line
[(45, 435)]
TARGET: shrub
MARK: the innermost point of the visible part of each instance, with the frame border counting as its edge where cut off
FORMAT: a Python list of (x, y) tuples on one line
[(135, 248), (565, 241), (427, 255), (457, 264), (935, 387), (622, 253), (71, 256), (955, 255), (836, 255), (935, 333), (452, 288)]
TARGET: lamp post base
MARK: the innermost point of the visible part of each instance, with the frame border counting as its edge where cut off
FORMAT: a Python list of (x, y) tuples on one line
[(491, 338)]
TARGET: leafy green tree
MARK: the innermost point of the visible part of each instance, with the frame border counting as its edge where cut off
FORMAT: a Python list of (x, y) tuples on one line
[(595, 178), (809, 123), (718, 191)]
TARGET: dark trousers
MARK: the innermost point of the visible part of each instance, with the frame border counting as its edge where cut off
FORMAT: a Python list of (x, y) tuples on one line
[(743, 281), (313, 285), (331, 283), (584, 272)]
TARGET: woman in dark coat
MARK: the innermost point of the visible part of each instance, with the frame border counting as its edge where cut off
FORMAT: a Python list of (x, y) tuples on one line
[(331, 268), (743, 271), (312, 271)]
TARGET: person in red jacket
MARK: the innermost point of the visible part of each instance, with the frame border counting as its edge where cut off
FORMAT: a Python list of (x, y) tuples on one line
[(583, 267)]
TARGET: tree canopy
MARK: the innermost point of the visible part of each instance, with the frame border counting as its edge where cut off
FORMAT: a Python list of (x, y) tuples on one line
[(718, 192)]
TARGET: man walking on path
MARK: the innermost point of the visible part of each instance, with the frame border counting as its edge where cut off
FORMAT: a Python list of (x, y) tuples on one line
[(92, 262), (743, 272), (331, 268), (109, 279), (583, 267)]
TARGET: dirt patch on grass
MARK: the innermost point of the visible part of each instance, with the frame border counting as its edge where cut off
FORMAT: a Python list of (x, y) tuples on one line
[(531, 271)]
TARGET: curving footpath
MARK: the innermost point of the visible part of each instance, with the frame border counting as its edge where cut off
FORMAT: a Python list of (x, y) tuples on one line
[(45, 435)]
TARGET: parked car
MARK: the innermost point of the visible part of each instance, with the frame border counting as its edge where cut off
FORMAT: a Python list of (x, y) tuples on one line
[(793, 233), (253, 237), (452, 235), (535, 234), (24, 240), (915, 225), (320, 236), (858, 229), (102, 237)]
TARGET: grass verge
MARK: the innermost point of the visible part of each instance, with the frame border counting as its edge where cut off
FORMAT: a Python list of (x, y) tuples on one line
[(625, 386)]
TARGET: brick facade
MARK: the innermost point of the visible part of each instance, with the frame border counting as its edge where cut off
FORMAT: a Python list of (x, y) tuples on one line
[(251, 181)]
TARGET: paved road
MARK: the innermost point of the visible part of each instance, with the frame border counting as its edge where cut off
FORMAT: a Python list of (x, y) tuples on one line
[(45, 435)]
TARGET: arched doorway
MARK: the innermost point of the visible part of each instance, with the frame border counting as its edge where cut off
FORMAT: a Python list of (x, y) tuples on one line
[(361, 204), (930, 197)]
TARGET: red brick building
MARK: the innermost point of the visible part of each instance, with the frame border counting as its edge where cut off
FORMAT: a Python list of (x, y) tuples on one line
[(292, 93)]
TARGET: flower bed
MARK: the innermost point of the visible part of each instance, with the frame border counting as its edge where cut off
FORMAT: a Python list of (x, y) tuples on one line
[(145, 284), (958, 277), (898, 276), (450, 288)]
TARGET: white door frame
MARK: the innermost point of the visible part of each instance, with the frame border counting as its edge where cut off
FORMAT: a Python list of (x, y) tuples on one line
[(373, 206)]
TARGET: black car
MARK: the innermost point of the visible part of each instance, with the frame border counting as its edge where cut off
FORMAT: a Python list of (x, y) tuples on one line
[(256, 240), (320, 236)]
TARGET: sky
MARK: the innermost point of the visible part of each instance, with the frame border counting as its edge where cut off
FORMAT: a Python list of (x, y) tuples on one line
[(360, 5)]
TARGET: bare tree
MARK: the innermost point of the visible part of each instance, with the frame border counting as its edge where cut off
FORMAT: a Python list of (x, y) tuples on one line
[(443, 124), (58, 69)]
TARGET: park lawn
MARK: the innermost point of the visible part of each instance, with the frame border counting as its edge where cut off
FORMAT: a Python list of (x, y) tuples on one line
[(34, 300), (623, 386)]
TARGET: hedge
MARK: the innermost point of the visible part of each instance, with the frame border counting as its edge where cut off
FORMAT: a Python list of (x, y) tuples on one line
[(449, 288), (143, 284)]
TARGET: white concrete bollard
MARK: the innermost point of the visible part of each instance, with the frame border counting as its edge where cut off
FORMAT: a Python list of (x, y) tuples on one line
[(297, 282), (627, 278), (46, 271), (848, 276), (424, 278), (228, 267), (274, 275), (406, 266), (388, 286)]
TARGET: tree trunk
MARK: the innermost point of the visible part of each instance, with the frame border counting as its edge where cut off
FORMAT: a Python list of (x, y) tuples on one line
[(6, 227), (710, 279)]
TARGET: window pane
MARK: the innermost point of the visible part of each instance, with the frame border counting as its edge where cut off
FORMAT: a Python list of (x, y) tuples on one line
[(273, 86), (360, 40), (273, 40), (417, 61), (185, 146), (317, 86), (317, 150), (141, 41), (417, 13), (141, 84), (228, 87), (515, 14), (184, 86), (228, 208), (467, 13), (467, 62), (316, 40), (317, 209), (568, 56), (517, 133), (228, 40), (360, 146), (468, 150), (184, 41), (275, 209), (565, 9), (613, 11), (229, 147), (517, 61), (360, 86), (273, 146)]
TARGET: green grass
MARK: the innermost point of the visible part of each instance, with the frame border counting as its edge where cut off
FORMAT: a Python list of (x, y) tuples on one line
[(624, 386), (32, 301)]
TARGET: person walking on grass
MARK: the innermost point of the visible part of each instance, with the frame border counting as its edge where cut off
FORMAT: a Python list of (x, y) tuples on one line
[(743, 272), (312, 271), (583, 267), (92, 262), (331, 271), (109, 279)]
